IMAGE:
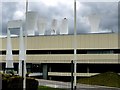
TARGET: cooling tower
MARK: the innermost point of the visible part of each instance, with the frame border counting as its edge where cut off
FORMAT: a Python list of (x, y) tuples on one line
[(94, 21), (64, 26), (54, 27), (31, 22), (47, 32), (41, 24)]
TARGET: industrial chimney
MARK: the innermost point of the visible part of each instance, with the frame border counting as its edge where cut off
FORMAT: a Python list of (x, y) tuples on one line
[(41, 25)]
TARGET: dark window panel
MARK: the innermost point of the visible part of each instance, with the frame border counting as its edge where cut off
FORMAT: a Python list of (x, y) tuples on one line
[(79, 51)]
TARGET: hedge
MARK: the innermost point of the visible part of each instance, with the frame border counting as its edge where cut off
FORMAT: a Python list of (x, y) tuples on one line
[(16, 83)]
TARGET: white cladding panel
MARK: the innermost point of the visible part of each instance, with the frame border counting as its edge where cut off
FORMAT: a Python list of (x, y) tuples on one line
[(64, 26), (41, 25), (94, 21)]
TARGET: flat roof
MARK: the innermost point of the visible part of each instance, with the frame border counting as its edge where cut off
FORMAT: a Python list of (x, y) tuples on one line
[(63, 34)]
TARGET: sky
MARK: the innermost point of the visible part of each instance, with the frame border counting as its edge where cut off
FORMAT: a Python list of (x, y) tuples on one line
[(59, 9)]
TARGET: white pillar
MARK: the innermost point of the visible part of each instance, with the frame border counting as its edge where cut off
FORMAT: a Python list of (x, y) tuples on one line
[(25, 49), (9, 56), (21, 51)]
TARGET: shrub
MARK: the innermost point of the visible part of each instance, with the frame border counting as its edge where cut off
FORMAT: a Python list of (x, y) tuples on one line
[(32, 84), (16, 83), (111, 79)]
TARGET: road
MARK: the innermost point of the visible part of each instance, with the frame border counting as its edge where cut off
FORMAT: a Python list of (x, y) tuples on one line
[(67, 85)]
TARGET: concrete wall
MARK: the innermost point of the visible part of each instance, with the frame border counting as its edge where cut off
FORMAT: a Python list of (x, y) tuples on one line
[(86, 41)]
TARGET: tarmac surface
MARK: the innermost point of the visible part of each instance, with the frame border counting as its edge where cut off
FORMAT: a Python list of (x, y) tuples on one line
[(67, 85)]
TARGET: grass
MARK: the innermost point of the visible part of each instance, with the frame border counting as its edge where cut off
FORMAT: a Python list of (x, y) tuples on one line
[(48, 88), (110, 79)]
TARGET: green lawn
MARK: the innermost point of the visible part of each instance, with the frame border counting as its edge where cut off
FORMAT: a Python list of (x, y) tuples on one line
[(104, 79), (48, 88), (110, 79)]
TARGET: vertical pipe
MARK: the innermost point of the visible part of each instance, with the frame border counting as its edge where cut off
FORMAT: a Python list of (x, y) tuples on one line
[(75, 58), (23, 72), (24, 81), (22, 69), (72, 71)]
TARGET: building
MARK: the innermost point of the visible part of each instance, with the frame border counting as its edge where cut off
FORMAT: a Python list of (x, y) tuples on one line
[(52, 55)]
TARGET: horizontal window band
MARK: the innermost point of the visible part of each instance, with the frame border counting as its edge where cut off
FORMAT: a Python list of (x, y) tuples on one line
[(79, 51)]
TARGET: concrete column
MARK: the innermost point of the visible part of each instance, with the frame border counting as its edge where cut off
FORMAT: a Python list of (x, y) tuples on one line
[(9, 56), (88, 70), (50, 78), (45, 71)]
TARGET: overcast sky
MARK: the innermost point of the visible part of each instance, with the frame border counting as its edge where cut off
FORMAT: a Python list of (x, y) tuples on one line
[(58, 9)]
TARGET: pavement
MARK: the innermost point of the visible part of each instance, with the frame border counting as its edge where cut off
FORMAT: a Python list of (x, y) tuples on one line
[(67, 85)]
